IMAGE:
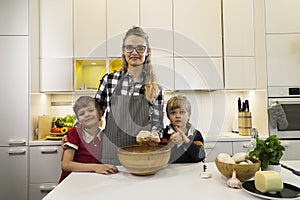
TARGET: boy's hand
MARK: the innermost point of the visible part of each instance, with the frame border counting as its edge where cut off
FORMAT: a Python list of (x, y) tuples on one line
[(182, 134), (176, 138), (106, 169)]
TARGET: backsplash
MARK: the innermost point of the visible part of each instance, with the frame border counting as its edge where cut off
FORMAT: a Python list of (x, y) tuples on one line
[(212, 112)]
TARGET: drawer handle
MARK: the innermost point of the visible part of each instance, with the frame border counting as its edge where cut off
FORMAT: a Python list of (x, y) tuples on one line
[(48, 150), (16, 151), (16, 142), (47, 188)]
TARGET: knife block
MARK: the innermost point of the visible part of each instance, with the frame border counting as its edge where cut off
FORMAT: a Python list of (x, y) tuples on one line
[(245, 123)]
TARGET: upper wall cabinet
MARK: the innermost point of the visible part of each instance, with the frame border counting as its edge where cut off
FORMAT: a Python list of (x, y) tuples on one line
[(198, 73), (158, 27), (283, 42), (239, 50), (283, 56), (56, 45), (282, 16), (14, 17), (238, 23), (159, 30), (56, 28), (197, 28), (121, 15), (90, 28)]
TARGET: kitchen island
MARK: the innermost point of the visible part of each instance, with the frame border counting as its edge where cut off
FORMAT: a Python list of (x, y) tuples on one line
[(176, 181)]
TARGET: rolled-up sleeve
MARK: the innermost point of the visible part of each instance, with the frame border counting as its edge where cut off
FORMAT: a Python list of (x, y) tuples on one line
[(102, 94)]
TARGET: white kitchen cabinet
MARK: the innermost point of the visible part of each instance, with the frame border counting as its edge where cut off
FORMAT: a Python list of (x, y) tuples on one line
[(56, 74), (164, 69), (238, 25), (56, 45), (283, 64), (198, 73), (239, 48), (40, 190), (282, 16), (14, 172), (56, 28), (45, 164), (14, 17), (158, 27), (239, 73), (121, 16), (291, 149), (197, 28), (213, 148), (14, 90), (90, 28), (45, 170)]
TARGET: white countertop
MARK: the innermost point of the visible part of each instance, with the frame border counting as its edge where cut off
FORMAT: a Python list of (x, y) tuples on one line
[(45, 143), (208, 137), (176, 181)]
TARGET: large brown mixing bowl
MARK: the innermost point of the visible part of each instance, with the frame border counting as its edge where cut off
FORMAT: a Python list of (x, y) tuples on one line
[(144, 160)]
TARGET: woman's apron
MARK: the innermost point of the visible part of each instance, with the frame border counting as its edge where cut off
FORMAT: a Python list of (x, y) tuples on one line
[(128, 115)]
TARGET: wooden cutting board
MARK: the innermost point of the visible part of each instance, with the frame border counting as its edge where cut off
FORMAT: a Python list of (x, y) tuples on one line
[(44, 126)]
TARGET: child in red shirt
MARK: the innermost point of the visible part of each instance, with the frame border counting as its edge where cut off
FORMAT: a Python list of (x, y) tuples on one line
[(84, 146)]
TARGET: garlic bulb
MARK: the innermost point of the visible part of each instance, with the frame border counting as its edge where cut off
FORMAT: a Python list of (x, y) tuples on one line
[(226, 158), (239, 157), (233, 182)]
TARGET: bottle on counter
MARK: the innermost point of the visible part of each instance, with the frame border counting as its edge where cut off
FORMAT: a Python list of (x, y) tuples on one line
[(252, 143)]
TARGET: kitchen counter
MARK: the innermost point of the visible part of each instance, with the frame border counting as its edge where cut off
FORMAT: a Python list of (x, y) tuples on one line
[(45, 143), (176, 181), (208, 137)]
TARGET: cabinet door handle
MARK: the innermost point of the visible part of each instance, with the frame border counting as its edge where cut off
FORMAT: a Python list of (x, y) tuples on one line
[(17, 151), (47, 187), (17, 142), (49, 150)]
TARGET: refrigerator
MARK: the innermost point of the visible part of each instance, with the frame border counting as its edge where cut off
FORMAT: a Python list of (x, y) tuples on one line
[(14, 88)]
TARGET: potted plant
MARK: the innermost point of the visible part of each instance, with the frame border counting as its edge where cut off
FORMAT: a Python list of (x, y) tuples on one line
[(268, 151)]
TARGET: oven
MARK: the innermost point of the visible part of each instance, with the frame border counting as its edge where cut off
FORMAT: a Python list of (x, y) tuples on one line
[(287, 99)]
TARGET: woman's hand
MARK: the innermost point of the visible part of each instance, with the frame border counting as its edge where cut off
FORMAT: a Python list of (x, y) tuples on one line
[(106, 169), (148, 138)]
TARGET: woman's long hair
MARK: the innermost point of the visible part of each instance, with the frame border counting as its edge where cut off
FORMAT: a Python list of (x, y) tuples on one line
[(151, 86)]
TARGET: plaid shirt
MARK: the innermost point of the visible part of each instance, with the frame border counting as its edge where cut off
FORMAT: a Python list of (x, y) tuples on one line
[(108, 85)]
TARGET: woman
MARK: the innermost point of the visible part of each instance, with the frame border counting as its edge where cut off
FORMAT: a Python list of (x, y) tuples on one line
[(131, 97)]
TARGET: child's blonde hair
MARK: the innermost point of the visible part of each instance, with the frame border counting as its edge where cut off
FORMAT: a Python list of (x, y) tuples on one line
[(178, 101), (84, 101)]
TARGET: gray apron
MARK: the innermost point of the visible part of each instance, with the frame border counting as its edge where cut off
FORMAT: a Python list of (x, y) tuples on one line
[(128, 115)]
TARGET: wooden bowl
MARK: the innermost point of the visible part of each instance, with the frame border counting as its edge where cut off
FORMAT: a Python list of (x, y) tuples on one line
[(144, 160), (243, 171)]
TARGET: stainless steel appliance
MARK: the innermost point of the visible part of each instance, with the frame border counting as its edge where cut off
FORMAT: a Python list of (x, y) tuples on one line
[(289, 99)]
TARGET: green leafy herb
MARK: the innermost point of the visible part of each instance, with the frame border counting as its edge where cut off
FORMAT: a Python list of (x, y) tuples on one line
[(268, 151)]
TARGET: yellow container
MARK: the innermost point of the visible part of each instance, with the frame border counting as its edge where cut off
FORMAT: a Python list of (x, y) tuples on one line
[(245, 123)]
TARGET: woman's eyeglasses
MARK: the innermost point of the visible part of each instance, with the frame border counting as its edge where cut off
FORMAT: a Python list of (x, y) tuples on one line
[(139, 48)]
